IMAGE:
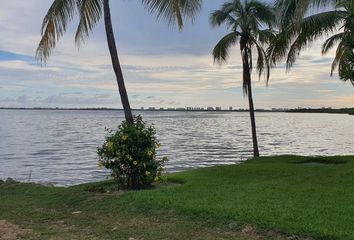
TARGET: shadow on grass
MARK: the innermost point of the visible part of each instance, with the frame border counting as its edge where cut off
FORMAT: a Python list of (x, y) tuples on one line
[(321, 161), (110, 186)]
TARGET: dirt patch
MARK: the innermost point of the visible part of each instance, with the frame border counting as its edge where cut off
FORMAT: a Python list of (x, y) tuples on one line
[(251, 232), (9, 231)]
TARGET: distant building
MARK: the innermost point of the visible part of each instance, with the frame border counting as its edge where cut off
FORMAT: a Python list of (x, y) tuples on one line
[(230, 108), (162, 108), (218, 108), (193, 108), (152, 108), (180, 109), (210, 108), (279, 109), (142, 108)]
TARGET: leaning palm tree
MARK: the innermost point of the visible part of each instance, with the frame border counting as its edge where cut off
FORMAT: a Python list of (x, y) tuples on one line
[(90, 12), (250, 25), (296, 33)]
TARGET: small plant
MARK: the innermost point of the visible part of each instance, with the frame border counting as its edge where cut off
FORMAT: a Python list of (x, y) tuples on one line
[(130, 153)]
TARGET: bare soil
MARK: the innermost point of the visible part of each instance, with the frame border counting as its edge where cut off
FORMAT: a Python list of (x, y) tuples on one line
[(9, 231)]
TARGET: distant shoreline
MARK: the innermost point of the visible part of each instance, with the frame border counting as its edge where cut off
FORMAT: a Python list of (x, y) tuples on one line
[(143, 110), (349, 111)]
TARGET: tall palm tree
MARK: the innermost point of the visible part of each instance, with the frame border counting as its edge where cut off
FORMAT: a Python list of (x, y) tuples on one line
[(297, 32), (90, 12), (250, 25)]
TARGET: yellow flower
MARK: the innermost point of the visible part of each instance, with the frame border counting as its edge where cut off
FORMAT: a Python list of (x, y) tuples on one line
[(147, 173), (124, 137), (135, 163), (149, 153), (128, 157), (157, 179), (158, 145), (109, 146)]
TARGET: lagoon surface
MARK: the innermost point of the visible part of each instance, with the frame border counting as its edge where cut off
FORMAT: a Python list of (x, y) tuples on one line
[(59, 146)]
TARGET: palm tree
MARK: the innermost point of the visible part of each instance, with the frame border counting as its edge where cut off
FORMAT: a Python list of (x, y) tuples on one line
[(249, 23), (297, 32), (62, 12)]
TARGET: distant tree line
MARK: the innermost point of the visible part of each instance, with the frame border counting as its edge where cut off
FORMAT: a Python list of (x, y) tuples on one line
[(349, 111)]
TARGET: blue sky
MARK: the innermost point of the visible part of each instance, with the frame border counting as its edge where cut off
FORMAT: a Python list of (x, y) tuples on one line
[(162, 66)]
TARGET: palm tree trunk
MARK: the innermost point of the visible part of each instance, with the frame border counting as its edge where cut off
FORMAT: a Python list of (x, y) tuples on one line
[(248, 85), (253, 121), (115, 62)]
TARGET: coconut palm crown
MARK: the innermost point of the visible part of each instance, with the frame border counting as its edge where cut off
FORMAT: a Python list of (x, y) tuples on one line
[(298, 33), (249, 23)]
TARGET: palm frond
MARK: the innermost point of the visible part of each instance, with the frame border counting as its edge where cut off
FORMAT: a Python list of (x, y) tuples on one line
[(264, 13), (330, 42), (250, 60), (338, 56), (266, 36), (54, 25), (346, 67), (293, 11), (279, 46), (233, 6), (173, 10), (90, 14), (311, 29), (262, 60), (219, 17), (221, 50)]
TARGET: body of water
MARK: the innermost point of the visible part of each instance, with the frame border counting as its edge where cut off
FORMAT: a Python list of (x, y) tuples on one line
[(59, 146)]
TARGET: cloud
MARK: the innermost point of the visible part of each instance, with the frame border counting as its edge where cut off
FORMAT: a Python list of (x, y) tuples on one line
[(325, 90), (161, 66)]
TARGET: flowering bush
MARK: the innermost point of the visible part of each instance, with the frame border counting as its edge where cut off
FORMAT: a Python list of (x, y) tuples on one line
[(130, 153)]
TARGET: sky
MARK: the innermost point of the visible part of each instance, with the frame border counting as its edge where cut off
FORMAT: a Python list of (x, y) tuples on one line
[(162, 66)]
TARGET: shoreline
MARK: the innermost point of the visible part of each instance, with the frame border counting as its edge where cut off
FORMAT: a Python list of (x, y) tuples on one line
[(349, 111)]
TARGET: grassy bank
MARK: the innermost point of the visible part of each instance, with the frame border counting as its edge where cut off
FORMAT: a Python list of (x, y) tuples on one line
[(269, 197)]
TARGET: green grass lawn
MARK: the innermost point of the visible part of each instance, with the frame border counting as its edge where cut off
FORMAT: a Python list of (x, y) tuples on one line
[(264, 198)]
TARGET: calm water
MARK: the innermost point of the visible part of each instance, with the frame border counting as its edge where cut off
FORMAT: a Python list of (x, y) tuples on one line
[(60, 146)]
